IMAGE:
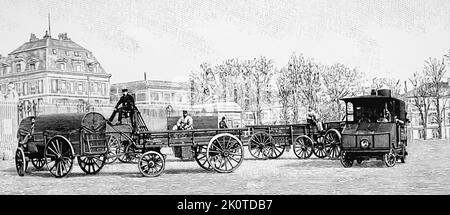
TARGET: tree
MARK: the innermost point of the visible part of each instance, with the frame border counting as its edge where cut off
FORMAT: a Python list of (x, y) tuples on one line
[(435, 70), (420, 96), (340, 81), (284, 94)]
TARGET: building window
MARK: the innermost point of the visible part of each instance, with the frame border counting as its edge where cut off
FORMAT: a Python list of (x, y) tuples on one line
[(54, 86), (448, 118), (40, 86), (18, 67), (25, 88), (67, 53), (166, 97), (435, 133), (32, 66), (77, 54), (154, 96), (80, 87), (78, 67), (62, 66), (54, 51)]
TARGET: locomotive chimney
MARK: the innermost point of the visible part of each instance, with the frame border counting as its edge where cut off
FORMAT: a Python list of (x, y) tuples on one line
[(373, 92)]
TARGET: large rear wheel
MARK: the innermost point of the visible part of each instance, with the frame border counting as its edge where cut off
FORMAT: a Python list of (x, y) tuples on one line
[(58, 156)]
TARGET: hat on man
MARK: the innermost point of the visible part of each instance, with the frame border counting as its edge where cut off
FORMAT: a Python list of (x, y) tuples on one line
[(184, 111), (124, 90)]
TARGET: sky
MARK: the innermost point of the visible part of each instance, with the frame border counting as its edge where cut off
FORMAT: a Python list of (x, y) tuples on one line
[(169, 39)]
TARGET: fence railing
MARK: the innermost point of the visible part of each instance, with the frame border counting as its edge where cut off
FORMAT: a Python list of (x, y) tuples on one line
[(8, 128)]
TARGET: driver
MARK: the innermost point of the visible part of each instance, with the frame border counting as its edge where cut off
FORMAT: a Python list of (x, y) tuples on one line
[(127, 102), (185, 122)]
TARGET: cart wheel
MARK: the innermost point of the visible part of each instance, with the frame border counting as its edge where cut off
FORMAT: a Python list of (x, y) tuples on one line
[(92, 164), (151, 164), (200, 157), (38, 163), (332, 141), (129, 154), (389, 159), (358, 161), (257, 145), (319, 149), (303, 146), (346, 160), (113, 149), (58, 156), (21, 163), (274, 150), (404, 153), (225, 153)]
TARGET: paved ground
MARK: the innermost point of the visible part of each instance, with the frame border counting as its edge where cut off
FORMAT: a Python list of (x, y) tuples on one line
[(427, 171)]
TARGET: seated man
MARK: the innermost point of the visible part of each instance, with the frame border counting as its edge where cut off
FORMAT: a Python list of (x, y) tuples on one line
[(311, 118), (222, 123), (127, 102), (184, 123)]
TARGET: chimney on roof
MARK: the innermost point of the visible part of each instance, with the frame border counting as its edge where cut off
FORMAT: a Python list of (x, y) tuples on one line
[(145, 76), (33, 38)]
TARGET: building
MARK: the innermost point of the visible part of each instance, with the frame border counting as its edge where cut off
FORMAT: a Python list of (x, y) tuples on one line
[(55, 71), (417, 128)]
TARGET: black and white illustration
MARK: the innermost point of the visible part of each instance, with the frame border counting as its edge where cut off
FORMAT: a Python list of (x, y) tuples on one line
[(224, 97)]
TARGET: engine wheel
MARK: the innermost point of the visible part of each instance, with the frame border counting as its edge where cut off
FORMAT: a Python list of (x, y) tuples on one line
[(390, 158), (319, 149)]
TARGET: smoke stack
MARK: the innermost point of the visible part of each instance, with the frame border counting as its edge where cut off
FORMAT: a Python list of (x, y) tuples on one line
[(373, 92), (145, 76)]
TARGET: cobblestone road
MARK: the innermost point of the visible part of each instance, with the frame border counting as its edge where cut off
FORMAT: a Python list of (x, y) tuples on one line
[(427, 171)]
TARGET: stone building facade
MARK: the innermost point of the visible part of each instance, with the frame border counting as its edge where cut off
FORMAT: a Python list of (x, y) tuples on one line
[(55, 71)]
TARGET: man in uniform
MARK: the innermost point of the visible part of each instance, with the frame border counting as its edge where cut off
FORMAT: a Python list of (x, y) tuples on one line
[(127, 102), (185, 122)]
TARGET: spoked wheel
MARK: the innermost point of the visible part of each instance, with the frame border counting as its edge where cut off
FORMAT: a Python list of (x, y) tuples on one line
[(113, 149), (130, 155), (332, 142), (225, 153), (319, 148), (92, 164), (151, 164), (274, 150), (404, 153), (257, 145), (359, 161), (21, 163), (346, 160), (38, 163), (58, 156), (303, 147), (200, 157), (390, 158)]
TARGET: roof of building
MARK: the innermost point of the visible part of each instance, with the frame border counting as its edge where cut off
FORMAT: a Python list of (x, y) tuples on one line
[(62, 42), (218, 107), (445, 90), (153, 84)]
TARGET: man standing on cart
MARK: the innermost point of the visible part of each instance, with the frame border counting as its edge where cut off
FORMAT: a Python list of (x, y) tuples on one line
[(128, 106)]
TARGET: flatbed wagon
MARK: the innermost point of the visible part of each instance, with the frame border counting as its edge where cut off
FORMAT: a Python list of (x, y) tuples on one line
[(271, 141)]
